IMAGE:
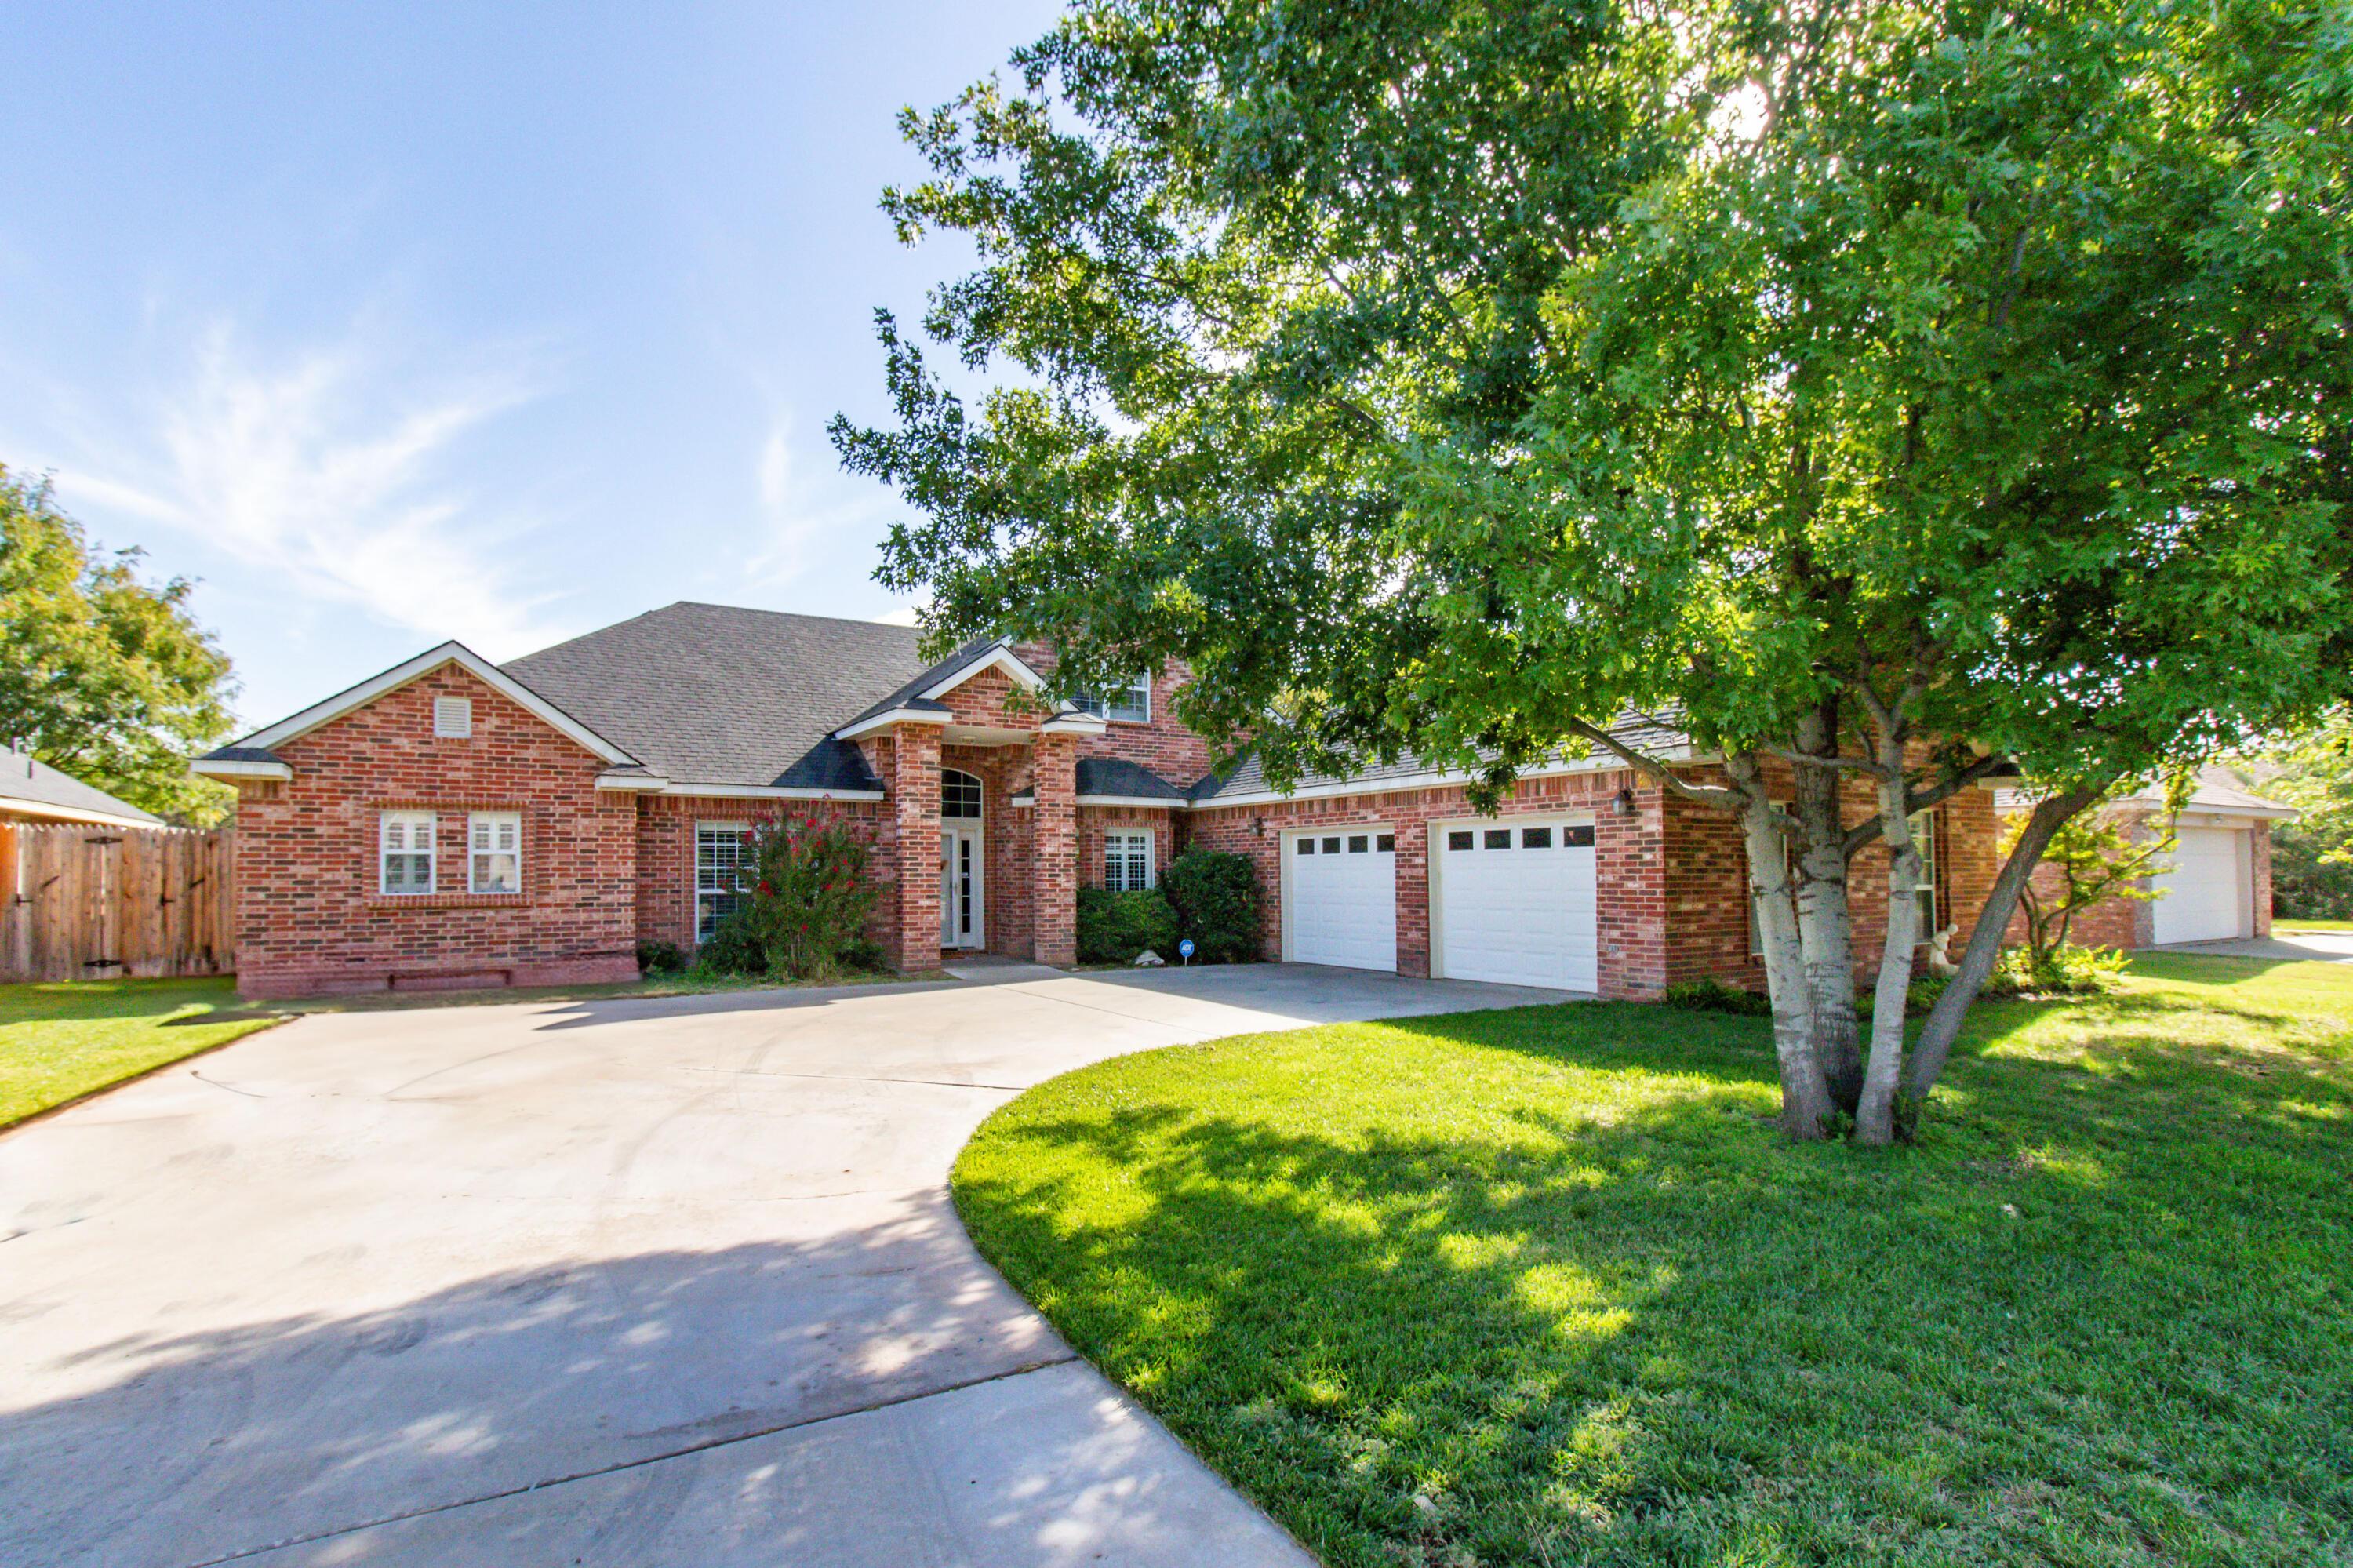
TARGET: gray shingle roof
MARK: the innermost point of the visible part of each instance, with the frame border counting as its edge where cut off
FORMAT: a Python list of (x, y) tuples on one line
[(33, 785), (708, 693), (1249, 778), (240, 754), (1116, 776)]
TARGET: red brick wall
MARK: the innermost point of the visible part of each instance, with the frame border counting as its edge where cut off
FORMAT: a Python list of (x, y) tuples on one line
[(309, 914), (1628, 865), (1164, 745), (2132, 921), (1096, 822), (1053, 862), (665, 823)]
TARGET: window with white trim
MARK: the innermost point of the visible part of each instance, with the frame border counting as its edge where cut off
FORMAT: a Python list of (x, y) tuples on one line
[(1127, 862), (1130, 704), (495, 851), (718, 875), (1923, 838), (453, 717), (404, 852)]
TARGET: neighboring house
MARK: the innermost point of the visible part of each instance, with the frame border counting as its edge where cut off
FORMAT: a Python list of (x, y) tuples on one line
[(2217, 881), (35, 793), (454, 822)]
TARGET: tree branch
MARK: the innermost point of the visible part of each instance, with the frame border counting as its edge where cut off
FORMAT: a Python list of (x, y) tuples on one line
[(1710, 795)]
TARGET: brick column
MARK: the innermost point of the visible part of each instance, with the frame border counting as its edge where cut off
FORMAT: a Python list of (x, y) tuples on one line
[(1054, 851), (915, 797)]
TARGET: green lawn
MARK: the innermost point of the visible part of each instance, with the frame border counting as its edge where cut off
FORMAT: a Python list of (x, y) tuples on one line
[(2287, 925), (58, 1042), (1543, 1287)]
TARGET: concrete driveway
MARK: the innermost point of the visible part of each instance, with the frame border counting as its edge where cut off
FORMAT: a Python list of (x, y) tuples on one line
[(630, 1283), (2295, 946)]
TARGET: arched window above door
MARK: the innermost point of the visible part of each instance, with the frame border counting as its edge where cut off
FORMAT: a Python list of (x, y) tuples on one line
[(959, 795)]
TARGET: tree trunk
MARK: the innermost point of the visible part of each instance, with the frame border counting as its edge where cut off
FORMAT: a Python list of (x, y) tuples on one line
[(1825, 925), (1875, 1116), (1944, 1026), (1805, 1094)]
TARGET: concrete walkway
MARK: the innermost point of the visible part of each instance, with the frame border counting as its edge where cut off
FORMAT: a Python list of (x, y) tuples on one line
[(2293, 946), (632, 1283)]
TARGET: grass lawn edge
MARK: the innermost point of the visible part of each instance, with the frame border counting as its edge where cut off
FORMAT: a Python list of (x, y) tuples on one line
[(260, 1026)]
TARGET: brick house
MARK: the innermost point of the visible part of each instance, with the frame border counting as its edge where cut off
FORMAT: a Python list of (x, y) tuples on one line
[(451, 822), (2216, 885)]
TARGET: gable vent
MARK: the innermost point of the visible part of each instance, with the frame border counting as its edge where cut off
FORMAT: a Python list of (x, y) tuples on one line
[(453, 717)]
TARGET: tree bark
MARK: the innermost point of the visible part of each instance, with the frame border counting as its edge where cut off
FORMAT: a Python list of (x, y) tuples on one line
[(1875, 1116), (1825, 925), (1806, 1103), (1944, 1024)]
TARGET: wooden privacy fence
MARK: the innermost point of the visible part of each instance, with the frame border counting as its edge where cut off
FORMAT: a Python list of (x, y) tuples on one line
[(90, 903)]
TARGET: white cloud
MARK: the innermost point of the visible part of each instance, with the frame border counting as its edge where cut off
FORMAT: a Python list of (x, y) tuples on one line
[(808, 509), (328, 471)]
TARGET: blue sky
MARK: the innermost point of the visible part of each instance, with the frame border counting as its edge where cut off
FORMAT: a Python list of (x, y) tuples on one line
[(394, 323)]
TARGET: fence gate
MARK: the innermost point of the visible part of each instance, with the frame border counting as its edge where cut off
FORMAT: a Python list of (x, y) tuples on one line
[(92, 903)]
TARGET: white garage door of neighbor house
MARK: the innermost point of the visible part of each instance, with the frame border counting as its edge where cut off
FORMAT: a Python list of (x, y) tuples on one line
[(2206, 893), (1342, 896), (1516, 901)]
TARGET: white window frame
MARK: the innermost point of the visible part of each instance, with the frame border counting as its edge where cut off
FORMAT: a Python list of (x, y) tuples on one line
[(412, 824), (1924, 839), (1119, 852), (1106, 707), (476, 852), (453, 718), (696, 888)]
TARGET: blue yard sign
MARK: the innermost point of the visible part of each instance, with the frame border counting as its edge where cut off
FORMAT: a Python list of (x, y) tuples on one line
[(1185, 950)]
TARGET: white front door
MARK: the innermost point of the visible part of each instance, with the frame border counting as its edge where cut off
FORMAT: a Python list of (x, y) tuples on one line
[(1516, 901), (2204, 898), (960, 887), (1340, 893)]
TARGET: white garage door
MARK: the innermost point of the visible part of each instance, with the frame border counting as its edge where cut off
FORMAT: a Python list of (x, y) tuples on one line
[(1342, 896), (2205, 894), (1516, 901)]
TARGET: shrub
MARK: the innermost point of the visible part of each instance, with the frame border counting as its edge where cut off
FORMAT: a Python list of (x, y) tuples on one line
[(1216, 901), (659, 958), (811, 896), (732, 949), (1715, 996), (1115, 926), (865, 955), (2065, 970)]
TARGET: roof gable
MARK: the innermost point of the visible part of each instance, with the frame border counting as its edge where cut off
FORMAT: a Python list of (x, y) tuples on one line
[(453, 653)]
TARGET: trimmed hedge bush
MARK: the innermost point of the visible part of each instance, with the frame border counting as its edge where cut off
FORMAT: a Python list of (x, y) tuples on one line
[(1115, 926), (1216, 901)]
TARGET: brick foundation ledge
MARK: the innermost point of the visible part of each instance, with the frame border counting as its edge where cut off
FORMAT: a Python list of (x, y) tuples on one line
[(355, 980)]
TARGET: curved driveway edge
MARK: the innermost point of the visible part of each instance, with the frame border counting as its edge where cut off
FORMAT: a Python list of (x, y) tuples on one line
[(661, 1281)]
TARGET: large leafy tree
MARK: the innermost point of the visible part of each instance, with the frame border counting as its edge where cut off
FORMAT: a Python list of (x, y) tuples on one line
[(2312, 857), (1890, 393), (104, 674)]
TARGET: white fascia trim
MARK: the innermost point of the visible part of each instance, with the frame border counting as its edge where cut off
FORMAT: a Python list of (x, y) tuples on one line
[(1602, 762), (43, 812), (637, 783), (1072, 722), (885, 720), (425, 664), (226, 768), (1002, 658), (767, 793), (1149, 802)]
